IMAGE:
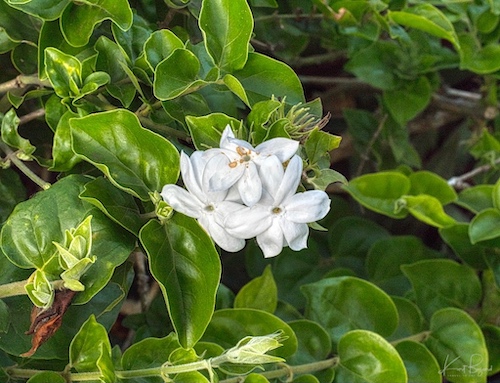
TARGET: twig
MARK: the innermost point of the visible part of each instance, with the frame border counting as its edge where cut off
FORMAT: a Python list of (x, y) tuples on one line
[(22, 81), (31, 116), (459, 182)]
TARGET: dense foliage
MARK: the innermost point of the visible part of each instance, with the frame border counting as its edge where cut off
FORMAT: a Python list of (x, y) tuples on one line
[(116, 114)]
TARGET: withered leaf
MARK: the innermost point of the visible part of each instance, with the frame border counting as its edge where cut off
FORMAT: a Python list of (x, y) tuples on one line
[(44, 323)]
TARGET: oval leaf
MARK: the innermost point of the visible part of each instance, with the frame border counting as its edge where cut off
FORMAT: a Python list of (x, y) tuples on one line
[(420, 364), (485, 225), (260, 293)]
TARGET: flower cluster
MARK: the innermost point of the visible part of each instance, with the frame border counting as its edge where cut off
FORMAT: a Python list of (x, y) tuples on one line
[(237, 192)]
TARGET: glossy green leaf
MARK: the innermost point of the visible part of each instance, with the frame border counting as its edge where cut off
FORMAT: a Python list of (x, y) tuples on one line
[(24, 57), (255, 378), (121, 207), (149, 352), (64, 158), (457, 237), (185, 263), (229, 326), (226, 26), (44, 9), (459, 346), (190, 377), (492, 337), (385, 257), (260, 293), (47, 376), (263, 77), (64, 72), (236, 87), (160, 45), (476, 58), (224, 298), (428, 209), (12, 191), (411, 320), (18, 25), (79, 19), (367, 357), (476, 198), (406, 102), (420, 364), (90, 351), (485, 225), (342, 304), (319, 143), (380, 192), (172, 80), (425, 182), (440, 283), (314, 343), (11, 136), (206, 131), (427, 18), (32, 246), (134, 159)]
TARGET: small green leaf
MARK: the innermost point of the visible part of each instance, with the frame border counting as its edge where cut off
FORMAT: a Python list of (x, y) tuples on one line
[(260, 293), (457, 237), (319, 143), (420, 364), (428, 209), (411, 320), (235, 86), (10, 135), (206, 131), (185, 263), (172, 80), (427, 18), (64, 73), (342, 304), (90, 351), (229, 326), (227, 26), (425, 182), (367, 357), (263, 77), (485, 225), (135, 159), (160, 45), (380, 191), (314, 343), (149, 352), (459, 346), (64, 158), (478, 59), (47, 376), (79, 19), (440, 283)]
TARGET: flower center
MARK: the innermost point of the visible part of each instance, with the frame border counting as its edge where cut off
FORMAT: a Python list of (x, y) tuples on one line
[(209, 208), (276, 210), (245, 154)]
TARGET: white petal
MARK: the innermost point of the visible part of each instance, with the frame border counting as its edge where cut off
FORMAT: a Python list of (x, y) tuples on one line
[(295, 234), (190, 176), (291, 180), (271, 174), (182, 201), (306, 207), (250, 185), (249, 222), (220, 236), (219, 176), (283, 148), (271, 240)]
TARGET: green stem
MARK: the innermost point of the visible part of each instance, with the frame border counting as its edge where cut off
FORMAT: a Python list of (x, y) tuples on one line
[(17, 288), (420, 337), (11, 155)]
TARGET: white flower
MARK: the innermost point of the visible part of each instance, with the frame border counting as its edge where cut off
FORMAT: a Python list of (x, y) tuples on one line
[(280, 218), (237, 163), (208, 207)]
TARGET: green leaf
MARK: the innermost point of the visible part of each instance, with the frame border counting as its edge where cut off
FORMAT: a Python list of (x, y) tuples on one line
[(408, 101), (47, 376), (427, 18), (425, 182), (314, 343), (478, 59), (260, 293), (380, 192), (263, 77), (459, 346), (79, 19), (160, 45), (411, 320), (185, 263), (342, 304), (428, 209), (64, 158), (496, 194), (367, 357), (236, 87), (485, 225), (440, 283), (319, 143), (172, 80), (121, 207), (149, 352), (255, 378), (44, 219), (420, 364), (12, 191), (44, 9), (492, 337), (229, 326), (206, 131), (226, 26), (90, 351), (457, 237), (4, 317), (134, 159), (10, 135), (64, 72)]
